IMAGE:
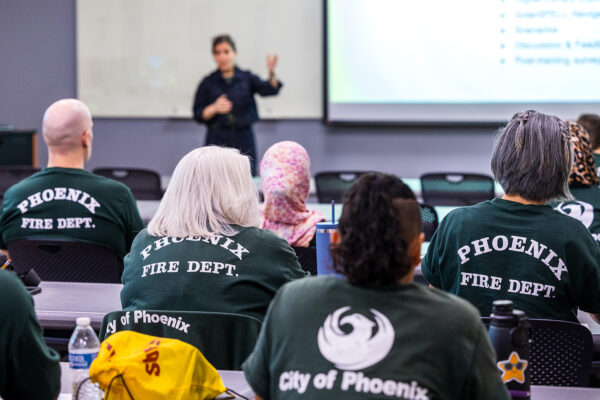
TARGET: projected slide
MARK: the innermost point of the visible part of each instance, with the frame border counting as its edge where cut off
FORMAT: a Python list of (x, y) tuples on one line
[(461, 60)]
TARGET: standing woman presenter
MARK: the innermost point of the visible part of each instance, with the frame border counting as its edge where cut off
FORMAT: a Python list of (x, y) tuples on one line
[(224, 99)]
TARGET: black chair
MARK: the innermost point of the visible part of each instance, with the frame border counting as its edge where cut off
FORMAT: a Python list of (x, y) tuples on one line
[(429, 221), (225, 339), (561, 353), (14, 174), (307, 256), (332, 185), (143, 183), (456, 189), (64, 261)]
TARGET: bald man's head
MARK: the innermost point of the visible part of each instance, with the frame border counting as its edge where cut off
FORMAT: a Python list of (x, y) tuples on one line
[(65, 125)]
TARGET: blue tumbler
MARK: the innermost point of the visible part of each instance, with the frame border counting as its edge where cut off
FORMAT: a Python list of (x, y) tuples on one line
[(324, 261)]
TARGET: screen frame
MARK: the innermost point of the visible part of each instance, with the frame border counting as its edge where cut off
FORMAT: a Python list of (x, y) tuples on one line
[(574, 108)]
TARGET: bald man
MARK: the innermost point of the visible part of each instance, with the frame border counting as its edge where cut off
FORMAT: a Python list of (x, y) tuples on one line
[(63, 201)]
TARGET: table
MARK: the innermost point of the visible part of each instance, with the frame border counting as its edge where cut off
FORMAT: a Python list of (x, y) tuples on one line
[(60, 303), (236, 381), (562, 393)]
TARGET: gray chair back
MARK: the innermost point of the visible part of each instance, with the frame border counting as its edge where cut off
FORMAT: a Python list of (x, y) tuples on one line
[(225, 339), (561, 353)]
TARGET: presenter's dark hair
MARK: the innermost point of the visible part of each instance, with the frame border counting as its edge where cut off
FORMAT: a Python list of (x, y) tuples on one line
[(222, 39), (533, 157), (380, 218), (591, 123)]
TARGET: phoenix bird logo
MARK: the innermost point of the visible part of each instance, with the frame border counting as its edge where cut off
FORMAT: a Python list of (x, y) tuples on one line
[(366, 344), (584, 212)]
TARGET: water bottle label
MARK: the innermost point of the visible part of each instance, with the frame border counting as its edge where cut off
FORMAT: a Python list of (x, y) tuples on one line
[(81, 361), (513, 369)]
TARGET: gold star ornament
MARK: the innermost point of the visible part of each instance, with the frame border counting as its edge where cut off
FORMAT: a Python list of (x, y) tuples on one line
[(513, 369)]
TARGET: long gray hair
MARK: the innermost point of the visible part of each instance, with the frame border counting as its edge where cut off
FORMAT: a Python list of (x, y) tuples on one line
[(533, 157), (211, 190)]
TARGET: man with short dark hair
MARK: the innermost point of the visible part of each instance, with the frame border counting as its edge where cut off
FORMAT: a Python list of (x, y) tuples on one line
[(63, 201)]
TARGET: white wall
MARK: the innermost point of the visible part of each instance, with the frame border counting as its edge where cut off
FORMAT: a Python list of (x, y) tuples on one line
[(37, 44)]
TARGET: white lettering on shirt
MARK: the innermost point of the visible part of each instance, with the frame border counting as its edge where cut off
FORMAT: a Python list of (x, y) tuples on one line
[(59, 193), (517, 244), (215, 240)]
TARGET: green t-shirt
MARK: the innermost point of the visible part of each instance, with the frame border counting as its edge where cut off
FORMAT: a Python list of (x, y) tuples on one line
[(71, 204), (597, 162), (545, 262), (324, 338), (237, 274), (585, 209), (29, 370)]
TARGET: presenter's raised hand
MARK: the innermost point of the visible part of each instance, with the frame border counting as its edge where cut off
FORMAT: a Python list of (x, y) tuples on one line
[(222, 105), (271, 63)]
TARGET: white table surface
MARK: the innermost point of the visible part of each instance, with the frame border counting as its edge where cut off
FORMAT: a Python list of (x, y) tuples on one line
[(235, 380), (60, 303)]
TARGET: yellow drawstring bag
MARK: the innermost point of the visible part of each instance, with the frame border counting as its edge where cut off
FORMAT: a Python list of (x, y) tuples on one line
[(134, 366)]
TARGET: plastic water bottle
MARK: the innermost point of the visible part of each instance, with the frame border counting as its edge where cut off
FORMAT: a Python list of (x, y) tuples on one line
[(83, 349)]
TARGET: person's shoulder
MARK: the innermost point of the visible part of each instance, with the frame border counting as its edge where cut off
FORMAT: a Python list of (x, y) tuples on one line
[(243, 73), (25, 185), (466, 213), (210, 77), (310, 290), (143, 238), (9, 283), (315, 284), (108, 182), (140, 242), (110, 187), (566, 222), (476, 209), (13, 293), (143, 235), (448, 308), (266, 237), (588, 196)]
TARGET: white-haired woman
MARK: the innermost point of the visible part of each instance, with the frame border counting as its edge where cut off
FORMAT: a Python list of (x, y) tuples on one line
[(202, 251), (517, 247)]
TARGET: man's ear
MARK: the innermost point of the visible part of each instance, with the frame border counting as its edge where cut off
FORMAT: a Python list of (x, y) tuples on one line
[(414, 249), (86, 138)]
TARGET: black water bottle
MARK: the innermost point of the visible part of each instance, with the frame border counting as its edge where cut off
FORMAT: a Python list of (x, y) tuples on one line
[(510, 334)]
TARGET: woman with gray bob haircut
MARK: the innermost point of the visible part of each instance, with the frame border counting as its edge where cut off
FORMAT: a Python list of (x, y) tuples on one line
[(203, 250), (533, 157), (517, 247)]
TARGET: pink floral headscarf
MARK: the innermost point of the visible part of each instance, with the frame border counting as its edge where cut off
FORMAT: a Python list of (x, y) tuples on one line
[(285, 175)]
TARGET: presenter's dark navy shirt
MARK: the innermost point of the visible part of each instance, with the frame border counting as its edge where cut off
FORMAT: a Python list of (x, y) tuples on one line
[(240, 91)]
